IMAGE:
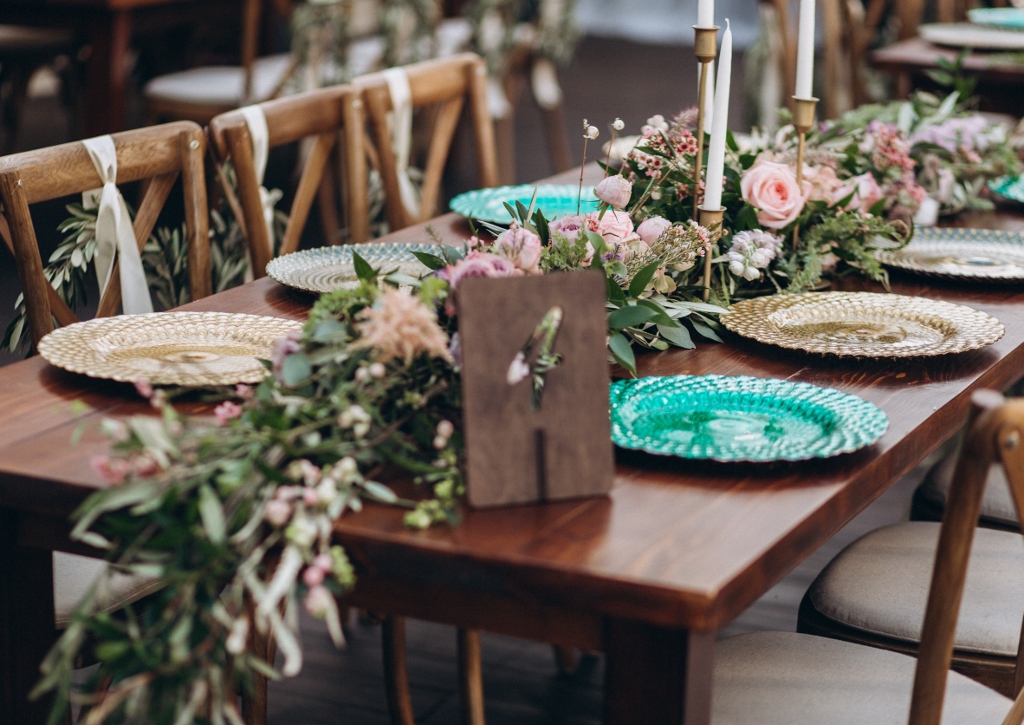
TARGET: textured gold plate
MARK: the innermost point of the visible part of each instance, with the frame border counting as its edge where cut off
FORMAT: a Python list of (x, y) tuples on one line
[(863, 324), (168, 348), (328, 269), (967, 254)]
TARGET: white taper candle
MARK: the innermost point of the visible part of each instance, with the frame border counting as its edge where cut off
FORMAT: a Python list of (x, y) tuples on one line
[(705, 13), (709, 95), (805, 51), (716, 149)]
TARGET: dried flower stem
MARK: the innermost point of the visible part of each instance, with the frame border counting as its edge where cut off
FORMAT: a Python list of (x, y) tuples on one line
[(583, 164)]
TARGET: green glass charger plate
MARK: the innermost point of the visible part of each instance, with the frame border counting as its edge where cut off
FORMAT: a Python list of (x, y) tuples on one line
[(1012, 18), (967, 254), (1008, 187), (739, 418), (328, 269), (554, 200)]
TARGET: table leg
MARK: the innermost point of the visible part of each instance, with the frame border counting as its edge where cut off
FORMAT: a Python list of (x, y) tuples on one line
[(107, 75), (26, 623), (657, 676)]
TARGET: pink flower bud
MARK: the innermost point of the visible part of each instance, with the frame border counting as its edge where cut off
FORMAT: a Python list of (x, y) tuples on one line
[(277, 512), (228, 410), (313, 576), (652, 228), (323, 562), (310, 497), (615, 190), (317, 601)]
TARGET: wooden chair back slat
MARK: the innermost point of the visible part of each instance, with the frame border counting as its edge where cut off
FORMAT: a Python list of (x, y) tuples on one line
[(432, 82), (995, 432), (320, 115), (157, 155)]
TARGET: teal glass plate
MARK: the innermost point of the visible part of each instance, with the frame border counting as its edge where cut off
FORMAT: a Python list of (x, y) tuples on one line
[(328, 269), (1012, 18), (1009, 187), (554, 200), (740, 418)]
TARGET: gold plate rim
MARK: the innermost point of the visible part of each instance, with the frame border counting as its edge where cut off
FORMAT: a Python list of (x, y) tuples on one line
[(909, 258), (973, 329), (73, 348)]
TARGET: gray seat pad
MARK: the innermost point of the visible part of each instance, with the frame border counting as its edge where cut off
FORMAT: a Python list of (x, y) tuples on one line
[(879, 584), (997, 504), (72, 577), (783, 678)]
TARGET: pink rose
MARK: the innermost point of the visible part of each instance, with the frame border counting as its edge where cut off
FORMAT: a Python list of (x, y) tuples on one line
[(771, 188), (522, 247), (822, 184), (475, 264), (614, 190), (568, 225), (866, 192), (614, 226), (652, 228)]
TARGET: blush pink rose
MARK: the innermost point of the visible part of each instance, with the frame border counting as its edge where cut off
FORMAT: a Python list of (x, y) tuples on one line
[(866, 192), (614, 226), (475, 264), (771, 188), (614, 190), (652, 228), (521, 247)]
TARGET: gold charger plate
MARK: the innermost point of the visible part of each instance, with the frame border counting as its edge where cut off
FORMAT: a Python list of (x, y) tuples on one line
[(328, 269), (169, 348), (863, 324), (978, 254)]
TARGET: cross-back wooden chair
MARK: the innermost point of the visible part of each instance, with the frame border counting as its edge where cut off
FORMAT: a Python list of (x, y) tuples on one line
[(872, 593), (321, 116), (156, 155), (198, 94), (449, 84), (800, 678)]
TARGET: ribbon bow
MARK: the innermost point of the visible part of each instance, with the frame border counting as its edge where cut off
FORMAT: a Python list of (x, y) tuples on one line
[(115, 236), (400, 120)]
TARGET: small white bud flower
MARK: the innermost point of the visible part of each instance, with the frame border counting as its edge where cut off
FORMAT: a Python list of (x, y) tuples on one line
[(618, 125), (592, 132), (440, 442), (362, 375), (445, 428), (377, 370)]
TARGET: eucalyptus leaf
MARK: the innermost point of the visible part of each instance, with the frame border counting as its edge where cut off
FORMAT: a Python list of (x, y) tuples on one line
[(295, 369), (212, 514), (430, 261), (364, 270), (641, 279), (630, 316), (678, 336), (622, 351)]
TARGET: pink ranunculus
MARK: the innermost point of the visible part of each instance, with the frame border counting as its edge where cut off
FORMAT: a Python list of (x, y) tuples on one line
[(521, 247), (652, 228), (228, 410), (866, 192), (822, 184), (771, 188), (614, 190), (614, 226), (568, 225)]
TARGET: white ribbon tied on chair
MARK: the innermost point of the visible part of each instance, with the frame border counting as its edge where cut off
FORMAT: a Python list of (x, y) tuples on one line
[(401, 136), (115, 237), (256, 120)]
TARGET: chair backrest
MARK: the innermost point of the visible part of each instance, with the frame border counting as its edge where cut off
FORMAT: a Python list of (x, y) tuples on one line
[(155, 155), (995, 433), (447, 84), (317, 115)]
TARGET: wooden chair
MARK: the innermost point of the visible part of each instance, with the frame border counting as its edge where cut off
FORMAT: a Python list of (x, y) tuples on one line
[(448, 84), (199, 94), (320, 116), (157, 155), (800, 678), (872, 593)]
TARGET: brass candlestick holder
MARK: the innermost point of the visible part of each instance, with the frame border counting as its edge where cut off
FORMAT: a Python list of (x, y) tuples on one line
[(710, 219), (803, 121), (705, 47)]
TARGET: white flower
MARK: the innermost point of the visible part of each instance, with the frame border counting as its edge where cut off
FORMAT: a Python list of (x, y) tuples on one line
[(518, 370), (445, 428), (591, 132), (377, 370), (618, 125), (238, 637)]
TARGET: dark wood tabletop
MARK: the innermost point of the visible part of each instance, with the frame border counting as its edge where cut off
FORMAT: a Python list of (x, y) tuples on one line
[(648, 574)]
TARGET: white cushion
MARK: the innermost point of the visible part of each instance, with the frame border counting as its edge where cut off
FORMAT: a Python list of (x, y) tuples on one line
[(879, 584), (72, 577), (783, 678), (997, 504), (219, 85)]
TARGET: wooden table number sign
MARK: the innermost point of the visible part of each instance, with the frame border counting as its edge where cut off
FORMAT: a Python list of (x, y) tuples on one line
[(535, 388)]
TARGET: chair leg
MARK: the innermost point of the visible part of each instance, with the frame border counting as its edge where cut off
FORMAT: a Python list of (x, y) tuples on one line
[(254, 705), (396, 675), (567, 658), (471, 682)]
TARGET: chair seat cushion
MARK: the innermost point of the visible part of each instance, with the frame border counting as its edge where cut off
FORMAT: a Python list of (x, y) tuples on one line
[(879, 584), (783, 678), (997, 504), (72, 577), (219, 85)]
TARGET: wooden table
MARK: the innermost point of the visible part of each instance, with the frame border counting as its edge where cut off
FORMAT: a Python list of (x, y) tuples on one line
[(999, 74), (108, 26), (648, 575)]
